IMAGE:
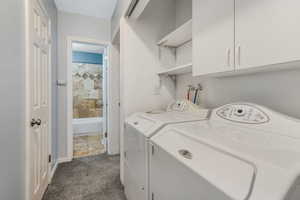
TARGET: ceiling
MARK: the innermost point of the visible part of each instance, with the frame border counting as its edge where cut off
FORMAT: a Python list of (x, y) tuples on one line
[(95, 8)]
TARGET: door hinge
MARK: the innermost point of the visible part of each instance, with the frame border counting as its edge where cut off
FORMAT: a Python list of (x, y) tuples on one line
[(105, 134), (49, 158), (125, 154), (152, 149)]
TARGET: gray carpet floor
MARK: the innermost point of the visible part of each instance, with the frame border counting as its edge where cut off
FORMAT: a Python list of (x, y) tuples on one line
[(89, 178)]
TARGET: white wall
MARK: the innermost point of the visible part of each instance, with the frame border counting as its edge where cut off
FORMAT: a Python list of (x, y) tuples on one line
[(183, 11), (76, 26), (183, 8), (140, 61), (119, 12), (114, 100), (183, 14), (277, 90), (12, 106)]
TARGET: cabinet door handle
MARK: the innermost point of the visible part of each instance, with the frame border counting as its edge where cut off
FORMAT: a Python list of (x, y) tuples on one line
[(228, 55), (238, 55)]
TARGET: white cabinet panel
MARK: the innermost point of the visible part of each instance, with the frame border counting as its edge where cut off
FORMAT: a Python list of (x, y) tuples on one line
[(267, 32), (213, 36)]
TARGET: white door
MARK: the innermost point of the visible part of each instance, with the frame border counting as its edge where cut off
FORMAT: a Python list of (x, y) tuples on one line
[(213, 36), (39, 58), (104, 96), (267, 32)]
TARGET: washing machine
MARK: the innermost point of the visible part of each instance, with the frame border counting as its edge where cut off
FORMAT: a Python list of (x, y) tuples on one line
[(242, 152), (139, 127)]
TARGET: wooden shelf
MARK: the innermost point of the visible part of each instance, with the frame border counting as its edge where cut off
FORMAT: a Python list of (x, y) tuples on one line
[(178, 37), (183, 69)]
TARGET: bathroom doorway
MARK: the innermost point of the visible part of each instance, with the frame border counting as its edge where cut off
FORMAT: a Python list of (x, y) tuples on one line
[(89, 99)]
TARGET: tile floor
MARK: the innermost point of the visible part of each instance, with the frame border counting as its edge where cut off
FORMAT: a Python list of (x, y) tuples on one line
[(88, 145), (88, 178)]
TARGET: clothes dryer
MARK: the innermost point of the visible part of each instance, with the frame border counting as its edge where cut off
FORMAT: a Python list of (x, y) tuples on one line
[(139, 128), (244, 151)]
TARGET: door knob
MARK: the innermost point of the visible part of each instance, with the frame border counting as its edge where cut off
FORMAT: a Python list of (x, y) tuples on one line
[(35, 122), (38, 122)]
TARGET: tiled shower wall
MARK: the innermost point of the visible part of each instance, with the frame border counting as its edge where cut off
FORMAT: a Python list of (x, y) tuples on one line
[(87, 90)]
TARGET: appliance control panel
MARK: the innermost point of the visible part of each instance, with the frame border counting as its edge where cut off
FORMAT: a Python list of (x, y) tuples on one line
[(183, 106), (177, 106), (243, 113)]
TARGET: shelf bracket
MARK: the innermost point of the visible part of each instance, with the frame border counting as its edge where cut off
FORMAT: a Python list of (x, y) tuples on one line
[(171, 48), (172, 77)]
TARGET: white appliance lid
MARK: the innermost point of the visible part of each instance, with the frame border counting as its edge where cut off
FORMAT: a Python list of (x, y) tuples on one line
[(149, 123), (269, 140), (226, 172)]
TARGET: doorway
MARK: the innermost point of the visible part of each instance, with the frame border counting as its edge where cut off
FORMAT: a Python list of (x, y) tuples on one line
[(88, 68)]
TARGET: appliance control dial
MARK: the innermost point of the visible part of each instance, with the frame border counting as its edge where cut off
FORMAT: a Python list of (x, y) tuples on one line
[(240, 112)]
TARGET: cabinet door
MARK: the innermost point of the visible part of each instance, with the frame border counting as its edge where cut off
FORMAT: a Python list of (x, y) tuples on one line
[(267, 32), (213, 36)]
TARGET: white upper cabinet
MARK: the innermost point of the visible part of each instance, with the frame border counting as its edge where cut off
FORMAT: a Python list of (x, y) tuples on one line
[(263, 33), (213, 36), (267, 32)]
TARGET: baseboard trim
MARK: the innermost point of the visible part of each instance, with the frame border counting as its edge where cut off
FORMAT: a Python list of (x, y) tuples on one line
[(53, 171), (58, 161), (64, 160)]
